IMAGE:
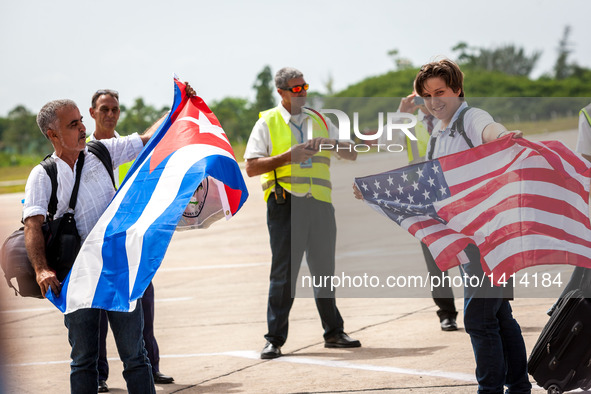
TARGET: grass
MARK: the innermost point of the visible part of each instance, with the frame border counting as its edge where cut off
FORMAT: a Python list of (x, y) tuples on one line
[(21, 172), (239, 151), (14, 173), (12, 189), (557, 124)]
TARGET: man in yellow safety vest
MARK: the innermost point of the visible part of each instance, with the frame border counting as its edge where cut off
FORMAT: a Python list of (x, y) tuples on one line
[(295, 176)]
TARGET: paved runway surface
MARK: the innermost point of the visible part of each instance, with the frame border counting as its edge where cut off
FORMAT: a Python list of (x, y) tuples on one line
[(211, 308)]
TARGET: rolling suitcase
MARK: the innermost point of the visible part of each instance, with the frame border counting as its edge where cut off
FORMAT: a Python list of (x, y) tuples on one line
[(561, 359)]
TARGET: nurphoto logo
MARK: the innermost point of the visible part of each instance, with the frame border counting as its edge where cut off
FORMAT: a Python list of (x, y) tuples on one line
[(395, 121)]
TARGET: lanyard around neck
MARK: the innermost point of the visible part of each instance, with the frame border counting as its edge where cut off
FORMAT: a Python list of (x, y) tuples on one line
[(299, 128)]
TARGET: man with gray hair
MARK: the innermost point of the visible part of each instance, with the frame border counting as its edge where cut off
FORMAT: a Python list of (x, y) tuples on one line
[(60, 121), (295, 176)]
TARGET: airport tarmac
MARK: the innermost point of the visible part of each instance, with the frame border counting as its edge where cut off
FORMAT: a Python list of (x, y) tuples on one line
[(211, 296)]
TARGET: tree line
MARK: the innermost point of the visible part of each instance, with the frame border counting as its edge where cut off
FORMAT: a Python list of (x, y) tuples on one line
[(20, 138), (489, 72)]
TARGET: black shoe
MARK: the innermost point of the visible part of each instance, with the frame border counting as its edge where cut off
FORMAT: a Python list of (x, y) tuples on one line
[(102, 387), (270, 351), (161, 378), (341, 340), (449, 324)]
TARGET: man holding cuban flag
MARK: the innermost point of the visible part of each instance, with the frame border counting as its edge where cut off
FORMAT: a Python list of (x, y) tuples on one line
[(127, 243)]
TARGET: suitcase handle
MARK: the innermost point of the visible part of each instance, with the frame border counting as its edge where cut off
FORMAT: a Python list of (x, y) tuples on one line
[(575, 330)]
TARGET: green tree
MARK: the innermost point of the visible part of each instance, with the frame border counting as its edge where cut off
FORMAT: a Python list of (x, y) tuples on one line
[(3, 127), (562, 69), (264, 87), (22, 136), (507, 59), (138, 118), (235, 116), (329, 85), (464, 50), (400, 63)]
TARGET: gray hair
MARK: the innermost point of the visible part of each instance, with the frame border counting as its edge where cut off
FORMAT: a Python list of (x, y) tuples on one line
[(47, 116), (285, 75)]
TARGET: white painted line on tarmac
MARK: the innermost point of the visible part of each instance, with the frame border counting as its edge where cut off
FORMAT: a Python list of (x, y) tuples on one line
[(38, 363), (173, 299), (253, 355), (211, 267), (30, 310), (345, 364), (25, 310), (378, 368)]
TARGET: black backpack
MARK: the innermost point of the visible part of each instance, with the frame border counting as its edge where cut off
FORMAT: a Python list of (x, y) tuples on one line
[(458, 126)]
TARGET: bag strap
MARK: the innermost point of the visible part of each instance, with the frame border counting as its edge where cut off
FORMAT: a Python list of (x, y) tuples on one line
[(99, 149), (431, 147), (48, 164), (74, 196), (50, 168), (458, 126)]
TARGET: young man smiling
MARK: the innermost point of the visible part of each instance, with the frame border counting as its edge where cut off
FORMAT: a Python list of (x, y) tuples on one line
[(498, 345)]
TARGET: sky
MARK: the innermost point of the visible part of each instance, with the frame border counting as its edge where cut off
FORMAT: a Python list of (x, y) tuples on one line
[(70, 48)]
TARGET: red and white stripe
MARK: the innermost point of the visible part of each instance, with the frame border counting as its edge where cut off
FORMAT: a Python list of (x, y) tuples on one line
[(522, 203)]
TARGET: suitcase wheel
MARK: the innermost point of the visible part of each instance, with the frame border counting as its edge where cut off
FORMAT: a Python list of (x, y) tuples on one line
[(554, 389)]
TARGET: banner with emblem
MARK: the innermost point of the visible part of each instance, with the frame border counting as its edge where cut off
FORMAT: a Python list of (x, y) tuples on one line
[(185, 177)]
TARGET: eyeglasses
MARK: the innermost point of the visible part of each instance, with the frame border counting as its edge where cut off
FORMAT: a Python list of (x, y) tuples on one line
[(297, 88)]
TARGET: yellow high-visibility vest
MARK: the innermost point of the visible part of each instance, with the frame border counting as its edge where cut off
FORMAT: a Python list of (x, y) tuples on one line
[(417, 150), (585, 112), (292, 177)]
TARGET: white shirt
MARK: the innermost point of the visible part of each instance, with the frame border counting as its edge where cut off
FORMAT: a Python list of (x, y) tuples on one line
[(259, 143), (96, 189), (115, 169), (475, 120), (584, 140)]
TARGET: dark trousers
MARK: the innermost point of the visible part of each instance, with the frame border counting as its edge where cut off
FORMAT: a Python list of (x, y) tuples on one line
[(301, 225), (442, 295), (499, 349), (83, 335), (149, 339)]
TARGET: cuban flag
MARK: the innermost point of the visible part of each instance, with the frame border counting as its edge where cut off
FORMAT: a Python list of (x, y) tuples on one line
[(522, 203), (185, 177)]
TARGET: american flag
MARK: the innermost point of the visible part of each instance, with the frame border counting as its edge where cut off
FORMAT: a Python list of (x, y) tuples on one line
[(186, 175), (522, 203)]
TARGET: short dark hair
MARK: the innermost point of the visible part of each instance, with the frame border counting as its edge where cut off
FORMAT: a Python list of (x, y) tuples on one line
[(100, 92), (445, 69)]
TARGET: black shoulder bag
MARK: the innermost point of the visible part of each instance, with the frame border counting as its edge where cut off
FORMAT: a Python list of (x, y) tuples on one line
[(62, 241)]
